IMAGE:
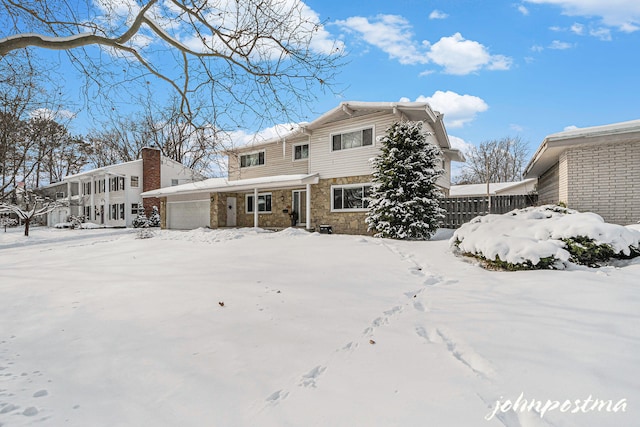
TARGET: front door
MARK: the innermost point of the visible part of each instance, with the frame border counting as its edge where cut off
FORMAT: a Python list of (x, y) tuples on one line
[(300, 205), (231, 212)]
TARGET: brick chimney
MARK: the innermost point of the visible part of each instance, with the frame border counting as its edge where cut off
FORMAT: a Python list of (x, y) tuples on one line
[(151, 176)]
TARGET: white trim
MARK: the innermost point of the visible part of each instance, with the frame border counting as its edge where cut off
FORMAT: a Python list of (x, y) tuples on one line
[(355, 185), (350, 130), (253, 194), (293, 152), (188, 201)]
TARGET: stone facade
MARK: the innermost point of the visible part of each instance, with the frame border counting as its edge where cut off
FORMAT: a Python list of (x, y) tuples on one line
[(341, 222)]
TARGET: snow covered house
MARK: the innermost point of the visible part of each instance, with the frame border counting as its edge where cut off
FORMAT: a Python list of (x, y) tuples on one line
[(317, 175), (592, 169), (110, 195)]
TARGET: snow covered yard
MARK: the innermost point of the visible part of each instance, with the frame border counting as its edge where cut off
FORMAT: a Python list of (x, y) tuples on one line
[(250, 328)]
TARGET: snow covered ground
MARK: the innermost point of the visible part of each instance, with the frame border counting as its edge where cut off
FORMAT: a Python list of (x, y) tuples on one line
[(251, 328)]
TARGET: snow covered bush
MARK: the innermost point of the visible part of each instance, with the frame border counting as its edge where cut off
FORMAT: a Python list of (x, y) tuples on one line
[(404, 198), (154, 219), (141, 219), (545, 237)]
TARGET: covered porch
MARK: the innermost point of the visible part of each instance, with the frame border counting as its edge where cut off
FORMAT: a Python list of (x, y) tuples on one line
[(272, 202)]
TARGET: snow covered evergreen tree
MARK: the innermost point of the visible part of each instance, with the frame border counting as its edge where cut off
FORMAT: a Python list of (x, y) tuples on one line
[(141, 220), (404, 198), (154, 218)]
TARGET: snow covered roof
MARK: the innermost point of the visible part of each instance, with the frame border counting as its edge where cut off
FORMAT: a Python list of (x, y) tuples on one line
[(224, 185), (415, 111), (495, 188), (554, 144)]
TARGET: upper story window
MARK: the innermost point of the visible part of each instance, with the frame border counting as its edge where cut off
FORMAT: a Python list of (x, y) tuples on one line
[(135, 181), (59, 195), (116, 183), (301, 152), (86, 188), (359, 138), (253, 159), (174, 182)]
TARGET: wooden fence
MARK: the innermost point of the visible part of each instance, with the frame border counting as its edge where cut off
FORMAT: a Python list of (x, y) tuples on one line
[(464, 209)]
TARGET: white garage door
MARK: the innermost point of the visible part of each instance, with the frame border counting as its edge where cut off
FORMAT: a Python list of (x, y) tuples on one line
[(188, 215)]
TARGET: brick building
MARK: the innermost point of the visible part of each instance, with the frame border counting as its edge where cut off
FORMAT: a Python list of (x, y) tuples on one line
[(594, 169)]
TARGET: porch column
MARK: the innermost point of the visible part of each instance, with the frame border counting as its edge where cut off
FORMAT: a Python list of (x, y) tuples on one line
[(107, 206), (92, 190), (255, 207), (69, 197), (308, 207)]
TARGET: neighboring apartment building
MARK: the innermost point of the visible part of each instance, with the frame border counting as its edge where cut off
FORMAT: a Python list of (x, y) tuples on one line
[(110, 195), (321, 172), (593, 169)]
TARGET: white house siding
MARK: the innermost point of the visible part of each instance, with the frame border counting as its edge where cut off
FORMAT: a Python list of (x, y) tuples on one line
[(605, 179), (276, 160), (171, 170), (350, 162)]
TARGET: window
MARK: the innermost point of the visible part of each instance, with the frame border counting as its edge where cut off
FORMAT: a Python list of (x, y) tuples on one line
[(359, 138), (87, 213), (135, 181), (116, 183), (59, 195), (350, 197), (117, 211), (86, 188), (174, 182), (264, 203), (134, 209), (253, 159), (99, 186), (301, 152)]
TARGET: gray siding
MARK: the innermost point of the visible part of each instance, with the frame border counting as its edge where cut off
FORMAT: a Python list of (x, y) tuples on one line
[(548, 186)]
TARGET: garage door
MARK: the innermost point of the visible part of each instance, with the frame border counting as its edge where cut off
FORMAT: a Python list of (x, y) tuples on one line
[(188, 215)]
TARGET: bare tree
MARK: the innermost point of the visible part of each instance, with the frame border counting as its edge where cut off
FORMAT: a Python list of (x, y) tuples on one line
[(500, 160), (31, 207), (252, 59)]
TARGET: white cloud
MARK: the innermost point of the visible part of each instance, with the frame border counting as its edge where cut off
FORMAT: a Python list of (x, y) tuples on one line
[(241, 138), (558, 45), (516, 127), (437, 14), (570, 127), (578, 29), (523, 10), (457, 109), (460, 144), (460, 56), (603, 34), (621, 14), (537, 48), (391, 33)]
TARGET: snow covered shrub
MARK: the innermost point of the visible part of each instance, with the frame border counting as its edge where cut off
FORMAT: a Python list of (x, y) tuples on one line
[(544, 237), (154, 219), (75, 221), (404, 198), (141, 219), (144, 233)]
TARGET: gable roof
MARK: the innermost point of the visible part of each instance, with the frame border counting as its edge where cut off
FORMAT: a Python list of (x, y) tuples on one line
[(553, 145), (414, 111)]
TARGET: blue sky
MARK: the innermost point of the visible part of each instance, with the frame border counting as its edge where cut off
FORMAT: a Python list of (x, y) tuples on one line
[(495, 68)]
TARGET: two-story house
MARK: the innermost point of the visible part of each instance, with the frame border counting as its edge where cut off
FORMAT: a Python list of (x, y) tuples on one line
[(110, 195), (320, 172)]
